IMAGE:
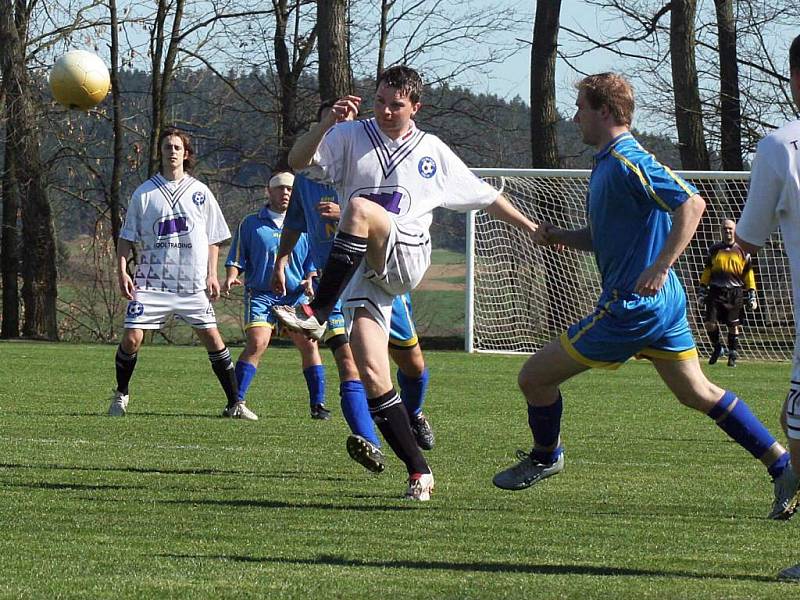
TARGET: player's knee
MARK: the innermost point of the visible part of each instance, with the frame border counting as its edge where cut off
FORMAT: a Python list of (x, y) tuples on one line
[(132, 340)]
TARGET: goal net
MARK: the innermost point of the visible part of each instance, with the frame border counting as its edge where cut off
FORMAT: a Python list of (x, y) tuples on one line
[(520, 296)]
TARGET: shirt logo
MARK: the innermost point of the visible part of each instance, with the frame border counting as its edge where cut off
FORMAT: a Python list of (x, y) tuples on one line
[(427, 167), (172, 225), (396, 200), (199, 198), (135, 308)]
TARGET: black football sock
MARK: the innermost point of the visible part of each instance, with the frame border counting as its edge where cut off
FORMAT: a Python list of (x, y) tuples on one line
[(226, 373), (733, 342), (346, 254), (713, 336), (125, 364), (391, 418)]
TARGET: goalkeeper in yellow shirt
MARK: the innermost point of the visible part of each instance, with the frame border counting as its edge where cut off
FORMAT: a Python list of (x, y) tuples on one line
[(727, 285)]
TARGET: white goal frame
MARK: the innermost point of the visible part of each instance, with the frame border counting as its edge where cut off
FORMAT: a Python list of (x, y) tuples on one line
[(508, 284)]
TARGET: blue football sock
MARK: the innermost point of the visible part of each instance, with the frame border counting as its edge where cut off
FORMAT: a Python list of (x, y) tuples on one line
[(315, 380), (412, 391), (545, 424), (776, 468), (244, 376), (356, 411), (734, 417)]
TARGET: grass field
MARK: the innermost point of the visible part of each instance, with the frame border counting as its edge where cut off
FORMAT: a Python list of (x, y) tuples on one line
[(174, 502)]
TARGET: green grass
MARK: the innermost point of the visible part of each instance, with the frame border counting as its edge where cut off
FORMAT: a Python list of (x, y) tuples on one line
[(172, 501)]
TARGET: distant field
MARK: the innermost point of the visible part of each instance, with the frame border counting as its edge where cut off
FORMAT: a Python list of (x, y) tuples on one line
[(174, 502)]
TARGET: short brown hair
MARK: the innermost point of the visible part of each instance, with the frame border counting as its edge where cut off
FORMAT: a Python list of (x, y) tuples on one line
[(191, 158), (612, 90), (405, 79), (794, 55)]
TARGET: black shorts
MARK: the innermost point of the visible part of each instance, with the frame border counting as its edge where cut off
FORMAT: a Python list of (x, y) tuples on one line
[(724, 305)]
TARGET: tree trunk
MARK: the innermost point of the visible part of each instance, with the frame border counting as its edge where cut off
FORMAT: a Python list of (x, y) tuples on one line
[(335, 76), (544, 147), (10, 250), (730, 106), (688, 111), (115, 191), (39, 277)]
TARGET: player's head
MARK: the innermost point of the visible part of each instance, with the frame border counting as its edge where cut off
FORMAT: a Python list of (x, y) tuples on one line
[(176, 150), (397, 99), (794, 70), (604, 101), (728, 229), (279, 190)]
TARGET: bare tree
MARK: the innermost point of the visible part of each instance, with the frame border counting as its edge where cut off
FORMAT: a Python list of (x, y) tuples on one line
[(9, 248), (544, 117), (335, 75), (27, 177), (730, 107), (688, 110)]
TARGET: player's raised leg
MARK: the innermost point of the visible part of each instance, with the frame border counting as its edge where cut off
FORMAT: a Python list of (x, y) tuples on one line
[(687, 381), (539, 379), (368, 342)]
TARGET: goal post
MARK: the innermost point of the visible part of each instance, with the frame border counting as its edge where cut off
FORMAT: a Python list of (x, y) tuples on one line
[(520, 296)]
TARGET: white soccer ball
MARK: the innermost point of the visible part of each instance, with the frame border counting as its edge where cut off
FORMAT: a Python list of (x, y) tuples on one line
[(79, 79)]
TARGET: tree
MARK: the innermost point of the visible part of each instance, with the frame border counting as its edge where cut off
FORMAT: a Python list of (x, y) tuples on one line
[(335, 75), (544, 117), (688, 110), (26, 175)]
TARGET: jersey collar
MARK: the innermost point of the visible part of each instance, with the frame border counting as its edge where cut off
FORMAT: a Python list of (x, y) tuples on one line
[(610, 145)]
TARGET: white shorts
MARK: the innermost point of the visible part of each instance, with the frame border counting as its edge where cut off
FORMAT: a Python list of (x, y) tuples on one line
[(408, 256), (151, 310)]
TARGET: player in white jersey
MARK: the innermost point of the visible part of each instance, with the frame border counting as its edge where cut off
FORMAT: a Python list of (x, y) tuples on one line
[(774, 201), (390, 176), (178, 225)]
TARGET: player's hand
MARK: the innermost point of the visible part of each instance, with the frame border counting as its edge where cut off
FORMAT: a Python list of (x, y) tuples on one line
[(545, 234), (212, 287), (126, 286), (752, 303), (308, 286), (345, 109), (651, 281), (702, 296), (229, 283), (278, 280), (329, 210)]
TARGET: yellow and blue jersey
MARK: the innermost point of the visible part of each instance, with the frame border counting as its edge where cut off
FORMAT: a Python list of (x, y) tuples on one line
[(302, 215), (630, 197), (253, 250)]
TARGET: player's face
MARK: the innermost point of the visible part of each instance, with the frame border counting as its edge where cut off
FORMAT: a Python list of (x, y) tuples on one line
[(172, 153), (394, 111), (589, 120), (794, 84), (728, 230), (279, 197)]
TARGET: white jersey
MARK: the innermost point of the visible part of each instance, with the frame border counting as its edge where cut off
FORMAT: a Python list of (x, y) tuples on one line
[(174, 222), (409, 176)]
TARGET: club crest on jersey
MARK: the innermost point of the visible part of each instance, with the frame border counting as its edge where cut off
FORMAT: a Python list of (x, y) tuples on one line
[(172, 225), (395, 200), (135, 309), (427, 167), (199, 198)]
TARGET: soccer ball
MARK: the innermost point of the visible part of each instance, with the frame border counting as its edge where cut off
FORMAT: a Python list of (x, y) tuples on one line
[(79, 79)]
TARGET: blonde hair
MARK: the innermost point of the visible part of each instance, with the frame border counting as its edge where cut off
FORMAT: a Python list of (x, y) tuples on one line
[(612, 90)]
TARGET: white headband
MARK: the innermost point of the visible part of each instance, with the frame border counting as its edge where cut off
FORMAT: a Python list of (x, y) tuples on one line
[(286, 179)]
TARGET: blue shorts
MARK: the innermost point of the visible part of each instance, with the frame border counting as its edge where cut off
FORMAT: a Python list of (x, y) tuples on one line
[(402, 333), (258, 307), (626, 325)]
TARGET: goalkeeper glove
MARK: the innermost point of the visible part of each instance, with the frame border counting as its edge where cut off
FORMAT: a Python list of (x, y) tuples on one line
[(752, 303), (702, 295)]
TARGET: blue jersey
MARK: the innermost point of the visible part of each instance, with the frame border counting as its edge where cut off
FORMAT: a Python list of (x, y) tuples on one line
[(253, 250), (630, 197), (302, 215)]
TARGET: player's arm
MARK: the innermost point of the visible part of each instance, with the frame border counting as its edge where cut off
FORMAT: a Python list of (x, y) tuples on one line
[(231, 278), (685, 219), (212, 282), (505, 211), (580, 239), (289, 239), (302, 153), (126, 286)]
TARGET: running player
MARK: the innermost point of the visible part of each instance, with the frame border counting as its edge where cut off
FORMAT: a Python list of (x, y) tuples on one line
[(178, 225), (642, 307), (389, 176), (252, 252)]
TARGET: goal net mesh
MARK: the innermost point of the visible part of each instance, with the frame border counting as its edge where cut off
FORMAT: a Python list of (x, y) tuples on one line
[(522, 296)]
